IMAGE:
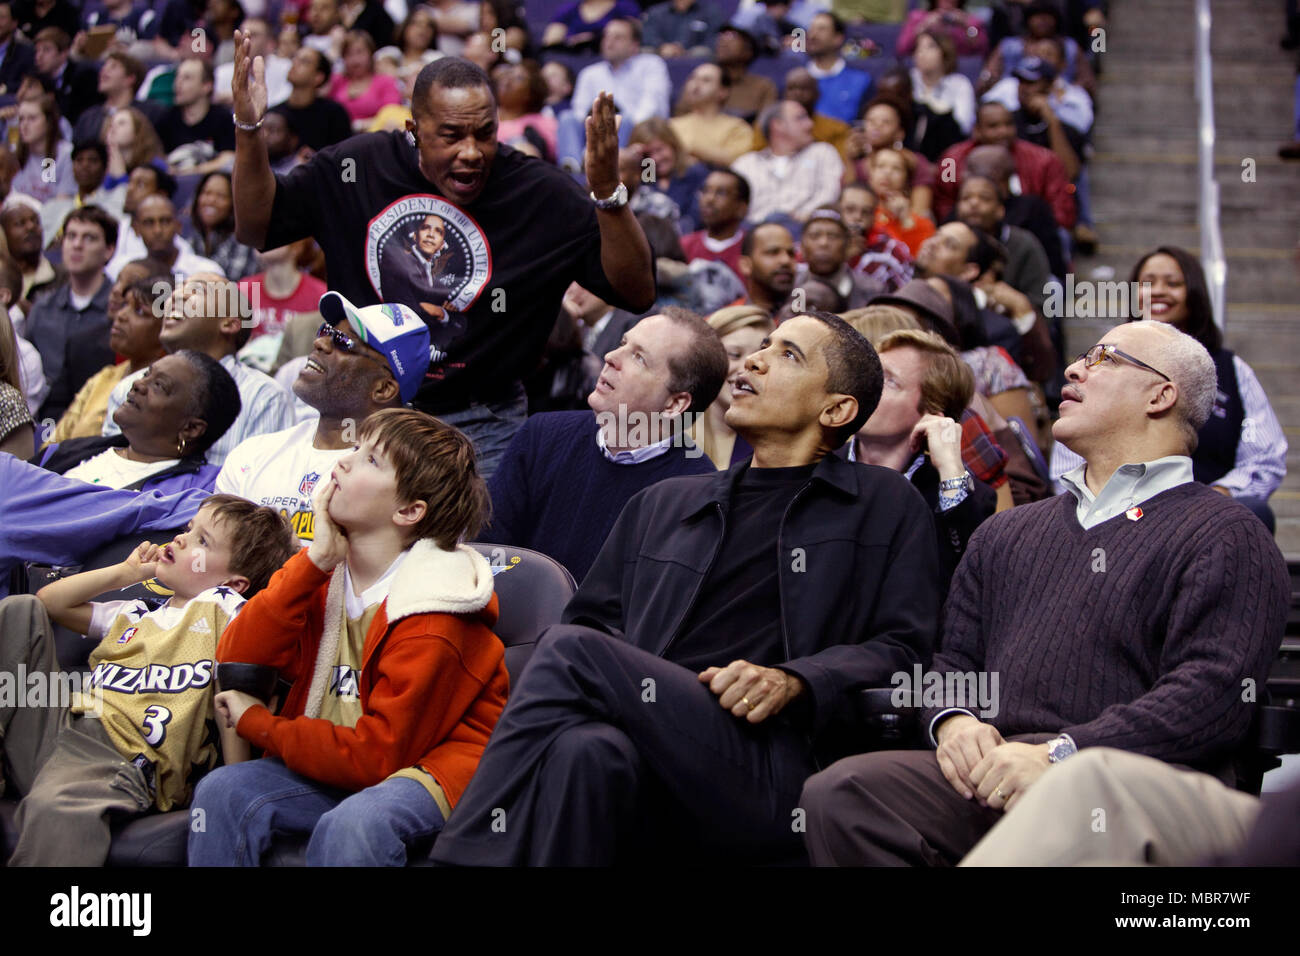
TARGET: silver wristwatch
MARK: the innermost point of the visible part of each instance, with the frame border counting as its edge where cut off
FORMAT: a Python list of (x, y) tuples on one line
[(954, 485), (616, 200), (1060, 748)]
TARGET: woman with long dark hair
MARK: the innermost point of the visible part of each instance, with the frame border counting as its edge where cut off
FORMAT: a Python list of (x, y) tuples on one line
[(212, 227), (1241, 450)]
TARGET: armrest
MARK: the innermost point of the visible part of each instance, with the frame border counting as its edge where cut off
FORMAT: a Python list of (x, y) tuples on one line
[(1278, 730), (257, 680), (889, 726)]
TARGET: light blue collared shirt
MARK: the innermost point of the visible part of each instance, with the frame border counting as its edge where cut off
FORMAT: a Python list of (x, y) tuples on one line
[(1131, 485), (632, 456)]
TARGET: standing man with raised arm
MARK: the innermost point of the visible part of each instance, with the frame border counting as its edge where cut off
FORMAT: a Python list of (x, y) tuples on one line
[(517, 232)]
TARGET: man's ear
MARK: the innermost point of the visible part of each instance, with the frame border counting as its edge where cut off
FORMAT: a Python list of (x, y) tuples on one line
[(409, 515), (385, 392), (1165, 398), (970, 272), (677, 404), (838, 411), (230, 325), (746, 266)]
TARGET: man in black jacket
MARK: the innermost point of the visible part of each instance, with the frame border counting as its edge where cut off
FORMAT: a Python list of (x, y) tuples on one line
[(16, 56), (714, 654)]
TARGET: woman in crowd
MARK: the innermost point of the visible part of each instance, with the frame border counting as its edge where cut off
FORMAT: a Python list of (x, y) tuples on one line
[(521, 96), (17, 435), (359, 89), (577, 26), (890, 176), (884, 126), (741, 328), (1241, 450), (133, 336), (674, 174), (965, 31), (173, 414), (416, 46), (39, 140), (559, 86), (507, 15), (212, 227), (131, 141), (936, 82)]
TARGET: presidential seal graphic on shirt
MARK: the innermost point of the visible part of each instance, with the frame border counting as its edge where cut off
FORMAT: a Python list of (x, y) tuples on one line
[(429, 255)]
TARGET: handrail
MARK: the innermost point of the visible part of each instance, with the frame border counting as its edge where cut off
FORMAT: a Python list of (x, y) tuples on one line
[(1207, 214)]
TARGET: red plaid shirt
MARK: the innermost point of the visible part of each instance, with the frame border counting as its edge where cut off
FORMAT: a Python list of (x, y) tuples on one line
[(980, 451)]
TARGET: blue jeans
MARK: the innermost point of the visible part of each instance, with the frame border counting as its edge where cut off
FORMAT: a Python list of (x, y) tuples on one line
[(490, 427), (239, 809)]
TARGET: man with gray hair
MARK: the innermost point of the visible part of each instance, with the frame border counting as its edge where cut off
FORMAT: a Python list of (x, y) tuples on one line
[(794, 175), (1137, 612)]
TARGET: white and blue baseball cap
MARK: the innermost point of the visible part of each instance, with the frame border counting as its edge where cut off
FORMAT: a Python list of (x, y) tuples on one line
[(392, 330)]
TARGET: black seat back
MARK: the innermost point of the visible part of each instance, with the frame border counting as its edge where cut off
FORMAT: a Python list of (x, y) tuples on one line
[(532, 589)]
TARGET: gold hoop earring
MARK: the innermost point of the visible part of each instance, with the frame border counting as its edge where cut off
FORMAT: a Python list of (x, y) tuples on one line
[(180, 447)]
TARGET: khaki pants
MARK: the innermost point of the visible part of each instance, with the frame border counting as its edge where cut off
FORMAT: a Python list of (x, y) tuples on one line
[(66, 767), (1105, 806)]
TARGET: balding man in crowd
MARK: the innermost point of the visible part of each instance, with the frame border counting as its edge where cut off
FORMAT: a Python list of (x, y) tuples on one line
[(567, 475), (208, 313), (714, 653), (794, 174), (1175, 593)]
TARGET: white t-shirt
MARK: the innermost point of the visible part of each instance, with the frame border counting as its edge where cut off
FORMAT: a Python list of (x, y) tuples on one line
[(281, 470), (112, 470)]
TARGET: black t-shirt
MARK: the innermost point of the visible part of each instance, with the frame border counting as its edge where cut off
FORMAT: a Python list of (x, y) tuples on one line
[(1034, 130), (492, 288), (216, 128), (321, 124), (737, 615)]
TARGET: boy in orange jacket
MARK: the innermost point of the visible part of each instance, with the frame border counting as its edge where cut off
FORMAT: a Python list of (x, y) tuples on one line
[(384, 626)]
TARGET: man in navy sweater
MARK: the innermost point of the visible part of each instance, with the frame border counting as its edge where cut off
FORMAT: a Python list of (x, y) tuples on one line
[(566, 475), (1138, 612), (716, 652)]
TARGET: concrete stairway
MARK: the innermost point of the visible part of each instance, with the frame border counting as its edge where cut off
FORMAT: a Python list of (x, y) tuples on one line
[(1144, 184)]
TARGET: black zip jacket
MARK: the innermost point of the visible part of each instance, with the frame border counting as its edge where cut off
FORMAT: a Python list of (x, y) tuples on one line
[(860, 581)]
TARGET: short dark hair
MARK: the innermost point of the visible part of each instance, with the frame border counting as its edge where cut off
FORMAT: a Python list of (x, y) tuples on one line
[(216, 399), (261, 540), (448, 73), (985, 251), (97, 216), (747, 243), (633, 24), (91, 146), (836, 22), (434, 463), (852, 368), (209, 75), (133, 67), (166, 182), (54, 35), (1200, 310), (742, 184), (322, 64), (703, 369)]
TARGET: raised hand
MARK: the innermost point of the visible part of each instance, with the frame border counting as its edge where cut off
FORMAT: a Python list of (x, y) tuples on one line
[(248, 84), (329, 545), (601, 159), (142, 563)]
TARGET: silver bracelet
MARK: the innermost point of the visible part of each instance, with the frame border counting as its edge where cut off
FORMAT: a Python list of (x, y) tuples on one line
[(249, 127)]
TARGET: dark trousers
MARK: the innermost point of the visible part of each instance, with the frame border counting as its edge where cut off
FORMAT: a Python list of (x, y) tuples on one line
[(893, 808), (606, 752)]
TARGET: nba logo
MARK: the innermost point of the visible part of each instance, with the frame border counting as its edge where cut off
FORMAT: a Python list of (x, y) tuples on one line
[(127, 635), (308, 483)]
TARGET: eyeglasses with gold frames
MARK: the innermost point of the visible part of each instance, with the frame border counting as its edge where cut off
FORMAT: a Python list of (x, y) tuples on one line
[(1100, 353)]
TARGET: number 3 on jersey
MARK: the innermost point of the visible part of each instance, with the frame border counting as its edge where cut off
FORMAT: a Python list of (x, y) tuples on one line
[(155, 724)]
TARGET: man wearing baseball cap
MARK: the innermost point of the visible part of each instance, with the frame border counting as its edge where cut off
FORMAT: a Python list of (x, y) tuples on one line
[(363, 360)]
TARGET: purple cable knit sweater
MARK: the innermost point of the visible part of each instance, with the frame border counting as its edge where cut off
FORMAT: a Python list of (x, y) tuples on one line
[(1139, 635)]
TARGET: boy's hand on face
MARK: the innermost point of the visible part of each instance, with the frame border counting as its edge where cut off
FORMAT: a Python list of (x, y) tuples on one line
[(230, 706), (142, 563), (329, 545)]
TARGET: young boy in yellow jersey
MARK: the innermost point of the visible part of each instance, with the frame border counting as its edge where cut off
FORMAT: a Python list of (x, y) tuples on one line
[(141, 731)]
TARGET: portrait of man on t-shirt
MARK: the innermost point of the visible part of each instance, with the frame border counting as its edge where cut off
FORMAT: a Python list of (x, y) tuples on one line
[(424, 271)]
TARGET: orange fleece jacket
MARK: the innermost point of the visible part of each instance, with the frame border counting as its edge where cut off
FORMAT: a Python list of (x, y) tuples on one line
[(432, 685)]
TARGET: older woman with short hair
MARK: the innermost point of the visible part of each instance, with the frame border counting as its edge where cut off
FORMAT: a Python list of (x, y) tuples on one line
[(742, 328)]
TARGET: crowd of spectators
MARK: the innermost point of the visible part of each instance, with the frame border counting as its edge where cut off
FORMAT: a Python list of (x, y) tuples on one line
[(806, 253)]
